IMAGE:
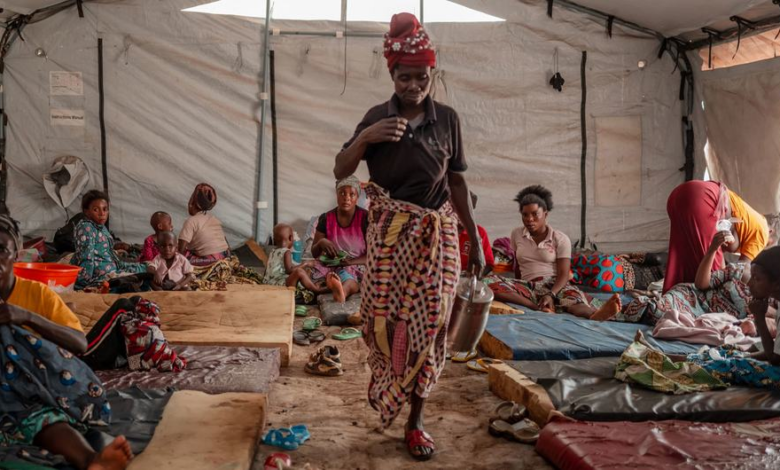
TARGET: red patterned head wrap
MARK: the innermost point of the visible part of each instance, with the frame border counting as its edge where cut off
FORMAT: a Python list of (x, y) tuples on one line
[(407, 43)]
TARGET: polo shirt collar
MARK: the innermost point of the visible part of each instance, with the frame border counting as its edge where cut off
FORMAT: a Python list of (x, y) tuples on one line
[(394, 105), (548, 238)]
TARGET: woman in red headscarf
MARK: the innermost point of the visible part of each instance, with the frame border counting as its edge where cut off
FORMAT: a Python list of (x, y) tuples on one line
[(412, 146)]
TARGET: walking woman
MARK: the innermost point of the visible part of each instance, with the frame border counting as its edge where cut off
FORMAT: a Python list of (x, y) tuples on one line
[(413, 149)]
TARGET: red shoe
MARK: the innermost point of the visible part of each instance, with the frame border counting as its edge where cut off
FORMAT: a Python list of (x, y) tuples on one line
[(277, 461), (417, 438)]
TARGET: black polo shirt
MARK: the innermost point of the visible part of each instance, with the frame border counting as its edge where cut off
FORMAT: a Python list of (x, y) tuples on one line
[(415, 168)]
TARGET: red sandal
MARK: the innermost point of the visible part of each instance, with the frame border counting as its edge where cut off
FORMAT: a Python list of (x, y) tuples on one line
[(417, 438)]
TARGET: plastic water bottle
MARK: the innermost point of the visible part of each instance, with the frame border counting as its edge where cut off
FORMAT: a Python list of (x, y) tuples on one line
[(297, 251)]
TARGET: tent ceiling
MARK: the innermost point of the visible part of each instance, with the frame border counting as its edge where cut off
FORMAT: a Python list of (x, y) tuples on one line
[(684, 18), (25, 7)]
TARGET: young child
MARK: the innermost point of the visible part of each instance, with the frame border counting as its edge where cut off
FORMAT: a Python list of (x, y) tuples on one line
[(161, 222), (202, 233), (95, 245), (171, 270), (282, 270)]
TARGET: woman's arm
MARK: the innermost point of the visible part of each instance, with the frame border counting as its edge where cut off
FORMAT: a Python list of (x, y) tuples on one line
[(562, 267), (704, 273), (183, 246), (323, 245), (387, 130), (86, 238), (360, 260), (461, 200), (62, 336)]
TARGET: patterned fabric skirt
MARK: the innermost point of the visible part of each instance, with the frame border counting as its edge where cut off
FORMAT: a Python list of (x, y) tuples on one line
[(535, 290), (412, 269), (207, 260), (226, 271)]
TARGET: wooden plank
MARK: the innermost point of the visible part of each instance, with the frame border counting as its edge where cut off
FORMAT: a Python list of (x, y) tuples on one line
[(494, 348), (510, 384), (205, 432), (258, 317), (257, 250), (500, 308)]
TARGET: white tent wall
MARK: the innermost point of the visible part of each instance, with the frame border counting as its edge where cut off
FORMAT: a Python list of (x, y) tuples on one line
[(181, 93), (181, 107), (741, 119)]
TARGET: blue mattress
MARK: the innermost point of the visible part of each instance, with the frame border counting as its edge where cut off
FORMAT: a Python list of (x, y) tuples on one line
[(537, 336)]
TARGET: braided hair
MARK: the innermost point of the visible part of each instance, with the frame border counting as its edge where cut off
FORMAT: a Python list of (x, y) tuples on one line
[(204, 198)]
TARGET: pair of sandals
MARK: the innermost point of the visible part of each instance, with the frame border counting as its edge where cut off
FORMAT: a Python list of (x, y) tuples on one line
[(287, 438), (325, 362), (309, 332), (510, 422)]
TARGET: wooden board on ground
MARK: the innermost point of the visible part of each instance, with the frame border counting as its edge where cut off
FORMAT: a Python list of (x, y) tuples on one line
[(206, 432), (258, 316), (510, 384), (257, 250), (500, 308), (494, 348)]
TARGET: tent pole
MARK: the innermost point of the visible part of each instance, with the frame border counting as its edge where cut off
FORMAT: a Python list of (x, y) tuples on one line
[(259, 203)]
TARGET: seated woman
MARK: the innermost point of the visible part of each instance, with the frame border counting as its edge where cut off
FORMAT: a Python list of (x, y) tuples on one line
[(342, 229), (724, 290), (201, 238), (52, 407), (694, 209), (543, 261), (95, 246)]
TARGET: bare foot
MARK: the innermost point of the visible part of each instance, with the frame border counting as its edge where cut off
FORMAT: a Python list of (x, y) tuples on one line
[(608, 310), (334, 283), (115, 456)]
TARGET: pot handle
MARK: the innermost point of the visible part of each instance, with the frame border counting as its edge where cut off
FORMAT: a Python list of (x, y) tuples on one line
[(472, 287)]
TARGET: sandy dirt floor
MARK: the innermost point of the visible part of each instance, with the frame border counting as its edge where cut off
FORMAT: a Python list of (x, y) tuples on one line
[(343, 425)]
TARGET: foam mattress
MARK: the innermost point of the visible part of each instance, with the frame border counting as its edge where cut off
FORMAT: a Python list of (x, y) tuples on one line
[(537, 336), (581, 445)]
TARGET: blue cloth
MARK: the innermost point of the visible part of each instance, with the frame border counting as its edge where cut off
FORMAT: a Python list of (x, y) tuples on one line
[(737, 369), (538, 336)]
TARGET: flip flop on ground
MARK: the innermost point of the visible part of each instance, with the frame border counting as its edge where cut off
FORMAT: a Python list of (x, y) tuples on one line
[(482, 365)]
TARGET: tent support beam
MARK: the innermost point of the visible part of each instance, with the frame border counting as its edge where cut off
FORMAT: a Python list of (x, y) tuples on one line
[(760, 26), (263, 116), (569, 5)]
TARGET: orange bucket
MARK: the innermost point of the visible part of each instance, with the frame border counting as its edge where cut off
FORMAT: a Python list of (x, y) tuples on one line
[(57, 276)]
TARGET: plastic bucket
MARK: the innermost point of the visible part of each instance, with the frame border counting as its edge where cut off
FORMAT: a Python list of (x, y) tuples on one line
[(60, 277)]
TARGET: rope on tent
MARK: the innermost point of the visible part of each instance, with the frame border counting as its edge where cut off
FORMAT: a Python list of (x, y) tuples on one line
[(610, 20), (550, 7), (664, 46), (711, 35), (344, 90), (80, 8), (741, 23)]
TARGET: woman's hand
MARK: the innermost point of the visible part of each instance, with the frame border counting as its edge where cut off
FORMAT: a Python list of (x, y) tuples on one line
[(758, 308), (387, 130), (720, 239), (546, 303), (476, 261), (13, 315), (327, 247)]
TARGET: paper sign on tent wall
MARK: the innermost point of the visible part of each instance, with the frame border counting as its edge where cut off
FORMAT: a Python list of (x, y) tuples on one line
[(618, 161), (67, 117), (66, 84)]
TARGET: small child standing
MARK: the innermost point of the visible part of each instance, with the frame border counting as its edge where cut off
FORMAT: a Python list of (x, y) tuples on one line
[(161, 222), (171, 270), (281, 269)]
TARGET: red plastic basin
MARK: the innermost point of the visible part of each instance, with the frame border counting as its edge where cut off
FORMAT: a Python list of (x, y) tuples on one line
[(51, 274)]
